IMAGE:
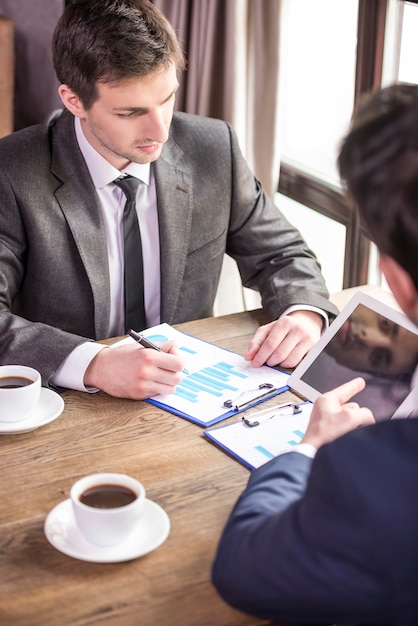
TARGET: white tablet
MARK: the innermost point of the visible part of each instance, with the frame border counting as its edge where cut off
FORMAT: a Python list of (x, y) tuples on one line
[(368, 339)]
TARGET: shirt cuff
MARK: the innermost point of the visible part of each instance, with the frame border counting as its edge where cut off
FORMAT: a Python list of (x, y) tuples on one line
[(305, 448), (71, 371), (301, 448)]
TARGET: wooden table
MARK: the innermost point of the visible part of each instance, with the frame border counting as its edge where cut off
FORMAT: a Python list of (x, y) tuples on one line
[(194, 481)]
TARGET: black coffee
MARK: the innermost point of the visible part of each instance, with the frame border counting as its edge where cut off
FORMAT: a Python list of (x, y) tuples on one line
[(13, 382), (107, 496)]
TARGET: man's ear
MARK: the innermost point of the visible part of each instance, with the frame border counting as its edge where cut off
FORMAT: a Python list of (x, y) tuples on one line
[(402, 286), (71, 101)]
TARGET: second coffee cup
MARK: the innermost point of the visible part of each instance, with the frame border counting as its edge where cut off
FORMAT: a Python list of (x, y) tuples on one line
[(107, 507)]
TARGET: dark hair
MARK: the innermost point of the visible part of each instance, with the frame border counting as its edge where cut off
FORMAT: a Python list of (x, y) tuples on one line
[(378, 163), (111, 41)]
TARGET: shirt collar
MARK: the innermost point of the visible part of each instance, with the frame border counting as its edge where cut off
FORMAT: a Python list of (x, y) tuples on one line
[(101, 171), (414, 390)]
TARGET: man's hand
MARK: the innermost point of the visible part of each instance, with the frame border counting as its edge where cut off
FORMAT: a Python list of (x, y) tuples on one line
[(135, 372), (285, 341), (333, 415)]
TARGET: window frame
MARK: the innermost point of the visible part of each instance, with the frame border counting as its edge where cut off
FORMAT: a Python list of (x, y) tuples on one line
[(318, 194)]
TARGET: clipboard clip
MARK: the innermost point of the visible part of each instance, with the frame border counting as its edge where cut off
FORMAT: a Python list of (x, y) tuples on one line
[(263, 392), (288, 408)]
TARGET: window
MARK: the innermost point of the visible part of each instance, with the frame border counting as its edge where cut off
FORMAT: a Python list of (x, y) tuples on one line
[(331, 53), (401, 43), (317, 79), (317, 83)]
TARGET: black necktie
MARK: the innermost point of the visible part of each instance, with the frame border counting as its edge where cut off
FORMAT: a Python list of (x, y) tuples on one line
[(133, 265)]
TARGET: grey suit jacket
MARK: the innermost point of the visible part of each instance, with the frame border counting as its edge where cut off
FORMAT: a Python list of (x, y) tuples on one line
[(54, 281)]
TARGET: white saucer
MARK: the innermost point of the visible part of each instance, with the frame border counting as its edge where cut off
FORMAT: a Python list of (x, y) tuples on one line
[(62, 532), (49, 407)]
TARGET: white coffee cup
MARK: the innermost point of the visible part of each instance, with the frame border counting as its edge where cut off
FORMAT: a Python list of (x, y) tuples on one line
[(20, 389), (123, 500)]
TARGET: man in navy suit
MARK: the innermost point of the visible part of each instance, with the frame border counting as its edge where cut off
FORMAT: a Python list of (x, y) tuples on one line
[(334, 538)]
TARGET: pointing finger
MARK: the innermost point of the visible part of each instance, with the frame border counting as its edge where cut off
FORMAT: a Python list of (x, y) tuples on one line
[(348, 390)]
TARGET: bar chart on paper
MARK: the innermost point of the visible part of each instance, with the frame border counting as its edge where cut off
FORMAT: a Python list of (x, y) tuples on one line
[(215, 381), (257, 445), (214, 376)]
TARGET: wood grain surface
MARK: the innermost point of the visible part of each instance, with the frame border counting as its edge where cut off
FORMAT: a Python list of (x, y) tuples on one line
[(195, 482)]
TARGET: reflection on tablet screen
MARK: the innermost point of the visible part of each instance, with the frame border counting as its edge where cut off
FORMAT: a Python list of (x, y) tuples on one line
[(371, 345)]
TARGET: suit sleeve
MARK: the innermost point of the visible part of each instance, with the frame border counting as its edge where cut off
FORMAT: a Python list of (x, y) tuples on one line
[(271, 254), (34, 295), (297, 548)]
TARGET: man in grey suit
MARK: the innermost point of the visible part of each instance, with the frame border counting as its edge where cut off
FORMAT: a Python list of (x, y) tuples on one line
[(335, 539), (61, 240)]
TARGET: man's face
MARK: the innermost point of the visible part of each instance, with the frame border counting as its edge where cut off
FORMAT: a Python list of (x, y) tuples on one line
[(130, 120), (369, 342)]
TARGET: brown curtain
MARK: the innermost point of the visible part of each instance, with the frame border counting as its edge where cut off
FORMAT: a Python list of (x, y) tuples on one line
[(232, 51), (35, 82)]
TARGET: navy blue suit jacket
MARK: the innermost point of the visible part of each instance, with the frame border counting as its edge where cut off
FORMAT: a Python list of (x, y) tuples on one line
[(329, 540)]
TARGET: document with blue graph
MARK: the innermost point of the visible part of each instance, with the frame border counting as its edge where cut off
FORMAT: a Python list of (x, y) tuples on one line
[(215, 379), (255, 445)]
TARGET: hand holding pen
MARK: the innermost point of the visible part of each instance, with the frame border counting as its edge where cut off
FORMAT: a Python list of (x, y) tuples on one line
[(146, 343), (124, 371)]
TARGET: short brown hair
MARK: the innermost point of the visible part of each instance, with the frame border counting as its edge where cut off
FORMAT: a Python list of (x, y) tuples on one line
[(378, 163), (111, 41)]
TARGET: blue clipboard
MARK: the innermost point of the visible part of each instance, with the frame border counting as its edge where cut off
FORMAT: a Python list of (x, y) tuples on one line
[(218, 384), (234, 410), (274, 431)]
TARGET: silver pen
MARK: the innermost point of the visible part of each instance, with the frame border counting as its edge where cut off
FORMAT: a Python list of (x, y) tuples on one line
[(146, 343)]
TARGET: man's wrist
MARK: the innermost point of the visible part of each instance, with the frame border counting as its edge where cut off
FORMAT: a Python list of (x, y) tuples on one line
[(313, 309)]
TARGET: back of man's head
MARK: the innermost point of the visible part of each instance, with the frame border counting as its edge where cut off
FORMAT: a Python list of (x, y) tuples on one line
[(378, 163), (111, 41)]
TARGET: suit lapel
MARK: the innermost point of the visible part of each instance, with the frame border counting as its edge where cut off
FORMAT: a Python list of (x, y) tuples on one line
[(79, 204), (174, 198)]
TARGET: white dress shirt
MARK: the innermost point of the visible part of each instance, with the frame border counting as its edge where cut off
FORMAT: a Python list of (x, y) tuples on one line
[(112, 202)]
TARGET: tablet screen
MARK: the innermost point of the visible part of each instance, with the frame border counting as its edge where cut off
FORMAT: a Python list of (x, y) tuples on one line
[(368, 339)]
